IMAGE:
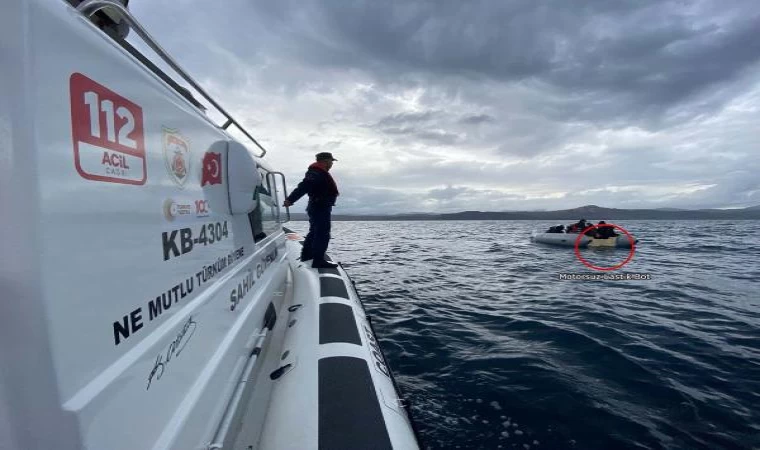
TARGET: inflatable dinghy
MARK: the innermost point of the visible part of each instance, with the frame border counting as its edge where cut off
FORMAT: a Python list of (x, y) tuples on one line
[(568, 240)]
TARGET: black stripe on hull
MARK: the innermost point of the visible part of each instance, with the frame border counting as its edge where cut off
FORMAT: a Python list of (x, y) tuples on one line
[(332, 287), (349, 412), (337, 324)]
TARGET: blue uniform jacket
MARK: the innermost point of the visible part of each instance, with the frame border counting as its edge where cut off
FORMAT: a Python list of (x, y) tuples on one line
[(320, 187)]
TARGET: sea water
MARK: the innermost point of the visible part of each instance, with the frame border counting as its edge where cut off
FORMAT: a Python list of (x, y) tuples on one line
[(495, 350)]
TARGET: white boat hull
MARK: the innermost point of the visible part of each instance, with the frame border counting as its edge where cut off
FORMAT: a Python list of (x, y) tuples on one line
[(336, 391)]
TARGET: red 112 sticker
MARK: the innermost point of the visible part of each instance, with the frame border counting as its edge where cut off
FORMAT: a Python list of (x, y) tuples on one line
[(108, 133)]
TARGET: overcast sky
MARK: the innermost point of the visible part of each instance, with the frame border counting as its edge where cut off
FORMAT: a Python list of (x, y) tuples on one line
[(496, 105)]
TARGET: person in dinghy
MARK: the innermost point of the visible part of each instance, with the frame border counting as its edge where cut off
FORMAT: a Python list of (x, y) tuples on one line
[(322, 191)]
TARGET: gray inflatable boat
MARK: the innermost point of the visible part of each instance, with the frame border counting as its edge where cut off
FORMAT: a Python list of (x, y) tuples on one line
[(568, 240)]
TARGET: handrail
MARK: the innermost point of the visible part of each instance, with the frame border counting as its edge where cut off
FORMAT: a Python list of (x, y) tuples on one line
[(285, 191), (90, 7)]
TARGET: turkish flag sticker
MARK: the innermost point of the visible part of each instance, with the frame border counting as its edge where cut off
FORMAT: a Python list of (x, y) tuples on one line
[(212, 169)]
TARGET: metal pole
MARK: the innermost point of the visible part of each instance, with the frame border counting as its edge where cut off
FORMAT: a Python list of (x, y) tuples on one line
[(90, 7)]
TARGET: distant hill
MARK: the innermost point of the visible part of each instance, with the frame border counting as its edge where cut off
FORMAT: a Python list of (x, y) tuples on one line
[(589, 212)]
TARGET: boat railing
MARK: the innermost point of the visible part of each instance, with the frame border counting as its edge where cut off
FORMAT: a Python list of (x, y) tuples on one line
[(285, 187), (90, 7)]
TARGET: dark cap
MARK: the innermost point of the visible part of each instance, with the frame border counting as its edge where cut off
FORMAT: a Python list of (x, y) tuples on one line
[(325, 155)]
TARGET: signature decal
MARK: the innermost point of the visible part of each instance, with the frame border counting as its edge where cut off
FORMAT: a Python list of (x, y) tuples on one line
[(173, 350)]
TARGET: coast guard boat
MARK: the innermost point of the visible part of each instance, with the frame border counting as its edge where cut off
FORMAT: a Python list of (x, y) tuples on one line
[(151, 296)]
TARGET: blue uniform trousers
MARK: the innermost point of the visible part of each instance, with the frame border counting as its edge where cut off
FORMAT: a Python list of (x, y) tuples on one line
[(316, 241)]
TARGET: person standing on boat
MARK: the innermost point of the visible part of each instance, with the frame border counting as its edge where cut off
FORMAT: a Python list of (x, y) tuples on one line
[(322, 191)]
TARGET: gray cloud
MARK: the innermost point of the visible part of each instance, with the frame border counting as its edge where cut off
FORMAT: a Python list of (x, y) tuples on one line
[(647, 54), (421, 125), (490, 104), (406, 118), (477, 119), (447, 193)]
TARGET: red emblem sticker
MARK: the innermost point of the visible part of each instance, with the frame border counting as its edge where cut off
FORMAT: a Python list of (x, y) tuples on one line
[(212, 169), (108, 133)]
